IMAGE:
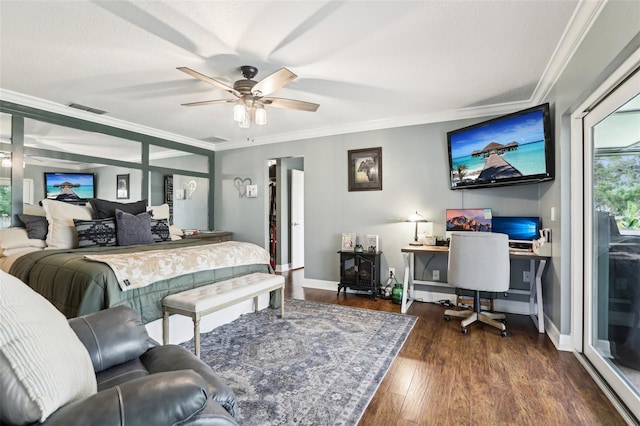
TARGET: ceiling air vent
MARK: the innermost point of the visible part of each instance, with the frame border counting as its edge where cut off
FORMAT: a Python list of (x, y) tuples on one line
[(86, 108), (214, 139)]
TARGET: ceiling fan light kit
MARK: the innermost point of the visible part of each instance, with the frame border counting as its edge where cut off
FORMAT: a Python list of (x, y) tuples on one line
[(252, 95)]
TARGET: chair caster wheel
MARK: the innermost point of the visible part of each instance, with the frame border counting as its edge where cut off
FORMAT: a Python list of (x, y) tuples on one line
[(504, 333), (464, 330), (447, 318)]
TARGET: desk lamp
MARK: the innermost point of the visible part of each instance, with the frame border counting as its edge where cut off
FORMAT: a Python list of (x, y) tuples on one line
[(416, 218)]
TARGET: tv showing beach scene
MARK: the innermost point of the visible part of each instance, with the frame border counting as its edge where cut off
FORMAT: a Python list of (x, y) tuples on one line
[(509, 149), (69, 186)]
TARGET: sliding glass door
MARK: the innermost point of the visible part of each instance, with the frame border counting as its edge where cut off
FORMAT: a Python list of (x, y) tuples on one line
[(612, 240)]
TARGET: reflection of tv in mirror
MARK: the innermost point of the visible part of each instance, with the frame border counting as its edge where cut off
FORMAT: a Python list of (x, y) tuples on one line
[(515, 148), (472, 220), (518, 228), (69, 186)]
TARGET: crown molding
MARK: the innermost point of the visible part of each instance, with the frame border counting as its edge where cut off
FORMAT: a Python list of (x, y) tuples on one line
[(458, 114), (43, 104), (583, 18)]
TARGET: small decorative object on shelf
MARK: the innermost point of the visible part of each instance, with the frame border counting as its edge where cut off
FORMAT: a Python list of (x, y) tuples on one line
[(348, 240), (358, 248), (371, 243)]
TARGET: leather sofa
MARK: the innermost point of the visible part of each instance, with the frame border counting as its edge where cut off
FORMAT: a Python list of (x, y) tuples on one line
[(141, 382)]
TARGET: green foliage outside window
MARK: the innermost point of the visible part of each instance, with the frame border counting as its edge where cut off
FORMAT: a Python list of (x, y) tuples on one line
[(617, 188), (5, 206)]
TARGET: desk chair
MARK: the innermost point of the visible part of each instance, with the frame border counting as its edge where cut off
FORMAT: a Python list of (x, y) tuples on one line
[(479, 261)]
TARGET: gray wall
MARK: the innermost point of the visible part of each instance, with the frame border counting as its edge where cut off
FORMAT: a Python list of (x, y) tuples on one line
[(415, 176)]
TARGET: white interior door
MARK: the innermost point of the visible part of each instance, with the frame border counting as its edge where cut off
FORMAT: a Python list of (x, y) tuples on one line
[(297, 219), (612, 241)]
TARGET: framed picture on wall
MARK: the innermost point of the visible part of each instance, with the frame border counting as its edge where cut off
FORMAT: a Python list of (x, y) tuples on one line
[(122, 187), (365, 169)]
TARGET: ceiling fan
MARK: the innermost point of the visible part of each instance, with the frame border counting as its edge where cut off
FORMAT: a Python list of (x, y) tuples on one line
[(252, 96)]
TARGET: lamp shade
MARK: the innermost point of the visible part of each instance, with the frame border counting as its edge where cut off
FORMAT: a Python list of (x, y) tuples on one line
[(238, 112), (261, 116)]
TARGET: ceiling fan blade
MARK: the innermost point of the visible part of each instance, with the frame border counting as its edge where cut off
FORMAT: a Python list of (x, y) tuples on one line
[(216, 101), (273, 82), (290, 104), (209, 80)]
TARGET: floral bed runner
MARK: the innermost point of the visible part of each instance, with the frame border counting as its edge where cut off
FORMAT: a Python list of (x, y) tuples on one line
[(135, 270)]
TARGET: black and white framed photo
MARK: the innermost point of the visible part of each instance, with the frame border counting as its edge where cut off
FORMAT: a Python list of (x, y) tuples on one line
[(365, 169), (122, 187)]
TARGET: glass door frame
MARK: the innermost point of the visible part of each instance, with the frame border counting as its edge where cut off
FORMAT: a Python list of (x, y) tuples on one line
[(605, 100)]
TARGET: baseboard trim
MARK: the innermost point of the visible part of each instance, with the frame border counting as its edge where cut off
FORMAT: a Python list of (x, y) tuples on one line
[(320, 284), (501, 305), (562, 342), (283, 268)]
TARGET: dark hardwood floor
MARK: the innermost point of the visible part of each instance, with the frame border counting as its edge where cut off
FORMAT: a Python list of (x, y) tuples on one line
[(442, 377)]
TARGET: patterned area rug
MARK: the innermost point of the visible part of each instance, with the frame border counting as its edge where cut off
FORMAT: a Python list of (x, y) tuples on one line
[(321, 365)]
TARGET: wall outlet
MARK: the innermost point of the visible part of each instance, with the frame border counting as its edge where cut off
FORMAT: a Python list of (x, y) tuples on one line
[(436, 275), (526, 276), (392, 272)]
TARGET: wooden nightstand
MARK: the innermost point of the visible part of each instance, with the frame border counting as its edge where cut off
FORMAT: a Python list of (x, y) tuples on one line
[(211, 236)]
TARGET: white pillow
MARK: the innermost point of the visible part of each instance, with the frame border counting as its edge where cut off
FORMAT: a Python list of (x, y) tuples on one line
[(12, 238), (160, 212), (62, 231), (33, 210), (43, 364)]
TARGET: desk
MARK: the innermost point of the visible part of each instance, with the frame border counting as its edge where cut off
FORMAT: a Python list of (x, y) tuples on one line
[(535, 286)]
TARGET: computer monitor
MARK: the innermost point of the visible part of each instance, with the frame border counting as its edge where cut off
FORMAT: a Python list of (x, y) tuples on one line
[(518, 228), (473, 220)]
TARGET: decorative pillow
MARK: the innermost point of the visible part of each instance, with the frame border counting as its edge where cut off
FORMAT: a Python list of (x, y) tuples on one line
[(11, 238), (105, 208), (33, 210), (133, 229), (37, 226), (35, 338), (96, 232), (160, 212), (62, 231), (160, 230)]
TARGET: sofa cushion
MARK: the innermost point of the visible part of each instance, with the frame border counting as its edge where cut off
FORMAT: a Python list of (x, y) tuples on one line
[(43, 363), (133, 229), (105, 208), (160, 212)]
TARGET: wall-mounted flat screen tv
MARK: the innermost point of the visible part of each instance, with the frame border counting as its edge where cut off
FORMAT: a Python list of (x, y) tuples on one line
[(515, 148), (69, 186)]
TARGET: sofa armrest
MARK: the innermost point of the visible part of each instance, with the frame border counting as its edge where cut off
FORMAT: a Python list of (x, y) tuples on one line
[(158, 399), (112, 336), (174, 357)]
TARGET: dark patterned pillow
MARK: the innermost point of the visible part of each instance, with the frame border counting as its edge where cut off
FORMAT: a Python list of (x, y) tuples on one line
[(98, 232), (160, 230), (133, 229), (105, 208), (37, 226)]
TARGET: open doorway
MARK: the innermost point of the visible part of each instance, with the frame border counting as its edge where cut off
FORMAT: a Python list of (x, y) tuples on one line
[(286, 213)]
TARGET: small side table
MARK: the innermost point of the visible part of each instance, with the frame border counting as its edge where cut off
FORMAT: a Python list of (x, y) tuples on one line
[(211, 236)]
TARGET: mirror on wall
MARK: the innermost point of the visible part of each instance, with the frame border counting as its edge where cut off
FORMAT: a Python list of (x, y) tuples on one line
[(69, 146)]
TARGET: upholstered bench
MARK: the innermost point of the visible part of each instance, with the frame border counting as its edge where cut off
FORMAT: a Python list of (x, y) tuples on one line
[(207, 299)]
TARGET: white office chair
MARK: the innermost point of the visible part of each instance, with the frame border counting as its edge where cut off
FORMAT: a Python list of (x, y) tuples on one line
[(479, 261)]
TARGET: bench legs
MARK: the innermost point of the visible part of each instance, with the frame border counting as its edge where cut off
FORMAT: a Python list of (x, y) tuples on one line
[(165, 327), (196, 334)]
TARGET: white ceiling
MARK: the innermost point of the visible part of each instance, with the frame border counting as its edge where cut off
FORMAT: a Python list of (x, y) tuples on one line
[(369, 64)]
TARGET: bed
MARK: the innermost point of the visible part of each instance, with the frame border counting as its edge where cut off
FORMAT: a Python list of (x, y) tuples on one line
[(77, 285)]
